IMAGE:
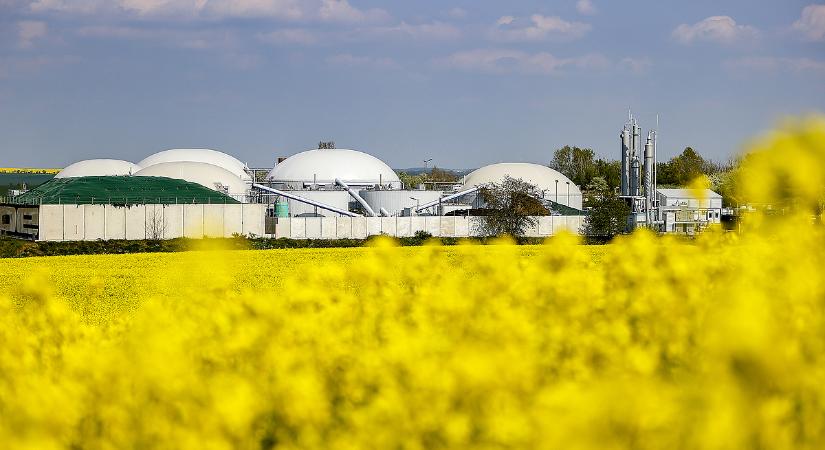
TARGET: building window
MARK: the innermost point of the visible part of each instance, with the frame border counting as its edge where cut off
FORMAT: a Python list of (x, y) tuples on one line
[(6, 219), (27, 217)]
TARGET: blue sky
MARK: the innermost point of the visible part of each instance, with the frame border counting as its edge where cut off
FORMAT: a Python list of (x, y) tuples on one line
[(463, 82)]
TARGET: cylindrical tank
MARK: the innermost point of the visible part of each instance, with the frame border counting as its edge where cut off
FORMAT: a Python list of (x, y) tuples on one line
[(282, 209), (648, 168), (625, 137), (395, 201), (337, 198)]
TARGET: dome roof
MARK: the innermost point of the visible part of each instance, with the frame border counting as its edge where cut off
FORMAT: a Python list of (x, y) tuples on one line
[(205, 174), (202, 155), (323, 166), (542, 176), (98, 167)]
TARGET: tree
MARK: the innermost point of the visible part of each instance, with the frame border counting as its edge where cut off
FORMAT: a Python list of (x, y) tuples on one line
[(608, 214), (411, 181), (442, 176), (595, 191), (575, 163), (510, 207), (682, 169)]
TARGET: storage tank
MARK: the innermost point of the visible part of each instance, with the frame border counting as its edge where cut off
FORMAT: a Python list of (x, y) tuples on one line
[(320, 167), (199, 155), (98, 168), (208, 175), (552, 184), (395, 201), (338, 199)]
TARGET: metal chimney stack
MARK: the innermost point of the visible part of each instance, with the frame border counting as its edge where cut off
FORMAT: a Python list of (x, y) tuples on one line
[(648, 178), (626, 143)]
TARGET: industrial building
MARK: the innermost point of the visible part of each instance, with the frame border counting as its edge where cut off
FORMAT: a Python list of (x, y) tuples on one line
[(324, 192), (663, 210)]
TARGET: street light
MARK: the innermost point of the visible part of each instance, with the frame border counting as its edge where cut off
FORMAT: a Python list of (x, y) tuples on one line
[(568, 193), (557, 191), (417, 202), (426, 163)]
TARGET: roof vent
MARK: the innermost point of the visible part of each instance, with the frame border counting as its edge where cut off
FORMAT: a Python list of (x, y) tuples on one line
[(329, 145)]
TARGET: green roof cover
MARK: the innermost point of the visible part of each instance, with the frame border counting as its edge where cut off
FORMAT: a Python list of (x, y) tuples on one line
[(564, 210), (121, 190)]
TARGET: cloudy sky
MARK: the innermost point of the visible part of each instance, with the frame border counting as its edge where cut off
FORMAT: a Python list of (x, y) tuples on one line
[(465, 82)]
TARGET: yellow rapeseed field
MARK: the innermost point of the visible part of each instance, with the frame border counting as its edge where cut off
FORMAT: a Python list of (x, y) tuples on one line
[(29, 170), (647, 343)]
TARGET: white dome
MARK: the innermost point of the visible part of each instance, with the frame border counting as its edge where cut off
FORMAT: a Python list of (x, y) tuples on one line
[(98, 168), (208, 175), (323, 166), (201, 155), (553, 184)]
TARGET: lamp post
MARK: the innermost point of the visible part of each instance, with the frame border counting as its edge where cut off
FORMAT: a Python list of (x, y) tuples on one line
[(557, 191), (568, 193)]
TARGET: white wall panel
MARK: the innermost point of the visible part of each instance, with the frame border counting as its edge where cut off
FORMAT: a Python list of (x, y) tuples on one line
[(402, 226), (193, 221), (213, 220), (115, 222), (373, 226), (172, 221), (94, 222), (359, 227), (135, 222), (313, 227), (73, 222), (51, 223), (343, 227), (328, 227), (298, 228)]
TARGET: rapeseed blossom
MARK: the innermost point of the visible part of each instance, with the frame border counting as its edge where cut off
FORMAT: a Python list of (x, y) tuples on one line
[(647, 343)]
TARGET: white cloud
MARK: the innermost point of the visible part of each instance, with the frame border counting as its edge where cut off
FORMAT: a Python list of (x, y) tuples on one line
[(586, 7), (719, 29), (505, 20), (510, 61), (318, 10), (348, 60), (427, 31), (542, 28), (29, 31), (342, 11), (777, 64), (435, 31), (812, 23)]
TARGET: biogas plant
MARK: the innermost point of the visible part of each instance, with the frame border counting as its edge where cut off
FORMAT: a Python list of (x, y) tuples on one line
[(324, 193)]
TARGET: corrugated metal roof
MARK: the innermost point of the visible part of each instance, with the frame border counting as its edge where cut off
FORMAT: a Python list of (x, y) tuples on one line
[(687, 193), (121, 190)]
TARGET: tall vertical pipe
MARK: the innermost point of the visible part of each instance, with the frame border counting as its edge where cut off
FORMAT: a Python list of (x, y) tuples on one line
[(625, 181), (649, 190)]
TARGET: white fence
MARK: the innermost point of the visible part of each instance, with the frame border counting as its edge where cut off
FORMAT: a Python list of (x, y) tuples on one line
[(104, 222), (445, 226)]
